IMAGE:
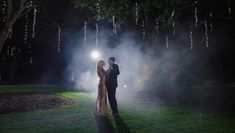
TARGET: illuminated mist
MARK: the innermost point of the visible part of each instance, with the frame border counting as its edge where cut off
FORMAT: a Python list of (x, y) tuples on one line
[(146, 70)]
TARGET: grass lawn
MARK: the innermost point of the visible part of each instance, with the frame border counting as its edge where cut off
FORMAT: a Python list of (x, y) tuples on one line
[(136, 118)]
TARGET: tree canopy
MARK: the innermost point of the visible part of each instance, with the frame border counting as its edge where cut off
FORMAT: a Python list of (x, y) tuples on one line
[(161, 10)]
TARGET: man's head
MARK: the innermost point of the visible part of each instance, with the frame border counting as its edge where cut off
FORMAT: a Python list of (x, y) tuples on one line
[(111, 61)]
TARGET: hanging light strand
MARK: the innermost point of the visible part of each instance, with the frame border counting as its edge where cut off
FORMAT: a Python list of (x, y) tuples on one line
[(167, 42), (98, 9), (85, 32), (196, 13), (230, 9), (211, 23), (206, 34), (114, 25), (59, 41), (173, 27), (34, 20), (172, 14), (191, 40), (97, 35), (136, 13), (157, 26), (143, 29), (4, 11), (10, 33), (26, 29)]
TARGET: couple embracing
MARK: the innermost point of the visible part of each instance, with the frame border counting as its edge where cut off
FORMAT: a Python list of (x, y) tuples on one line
[(107, 87)]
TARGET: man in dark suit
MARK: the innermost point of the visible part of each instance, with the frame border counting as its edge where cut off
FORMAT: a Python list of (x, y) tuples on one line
[(111, 84)]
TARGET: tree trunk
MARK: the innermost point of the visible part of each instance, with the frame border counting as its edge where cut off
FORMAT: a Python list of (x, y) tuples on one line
[(4, 35), (5, 31), (12, 15)]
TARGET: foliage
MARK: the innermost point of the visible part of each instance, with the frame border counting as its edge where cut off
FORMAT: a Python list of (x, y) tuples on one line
[(122, 9)]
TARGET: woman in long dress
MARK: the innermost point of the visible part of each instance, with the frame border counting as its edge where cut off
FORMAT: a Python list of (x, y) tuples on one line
[(101, 101)]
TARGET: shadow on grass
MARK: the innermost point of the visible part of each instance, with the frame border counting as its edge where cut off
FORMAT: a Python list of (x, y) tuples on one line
[(121, 126), (104, 125)]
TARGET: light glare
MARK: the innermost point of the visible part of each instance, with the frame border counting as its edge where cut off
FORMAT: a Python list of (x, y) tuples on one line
[(95, 54)]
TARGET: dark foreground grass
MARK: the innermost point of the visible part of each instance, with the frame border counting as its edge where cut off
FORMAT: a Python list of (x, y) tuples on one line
[(136, 118)]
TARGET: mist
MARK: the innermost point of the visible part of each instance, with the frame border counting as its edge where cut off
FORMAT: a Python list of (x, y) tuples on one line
[(147, 70)]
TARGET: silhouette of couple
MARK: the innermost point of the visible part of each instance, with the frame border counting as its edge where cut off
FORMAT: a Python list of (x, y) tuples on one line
[(107, 87)]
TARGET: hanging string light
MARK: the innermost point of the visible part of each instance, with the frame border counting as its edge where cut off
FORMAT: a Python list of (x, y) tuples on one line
[(85, 33), (173, 22), (206, 34), (30, 53), (173, 27), (26, 32), (34, 20), (26, 29), (97, 35), (191, 40), (114, 25), (95, 54), (136, 13), (12, 52), (31, 60), (157, 26), (143, 29), (4, 11), (10, 33), (229, 9), (172, 14), (59, 41), (29, 7), (196, 13), (98, 9), (167, 42), (211, 23)]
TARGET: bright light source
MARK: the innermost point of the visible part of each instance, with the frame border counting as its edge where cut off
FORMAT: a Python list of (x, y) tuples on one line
[(95, 54), (125, 86)]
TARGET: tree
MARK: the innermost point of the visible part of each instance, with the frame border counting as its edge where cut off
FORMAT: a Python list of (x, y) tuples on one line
[(124, 10), (15, 9)]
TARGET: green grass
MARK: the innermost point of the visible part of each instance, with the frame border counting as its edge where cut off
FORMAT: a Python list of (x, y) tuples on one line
[(136, 118)]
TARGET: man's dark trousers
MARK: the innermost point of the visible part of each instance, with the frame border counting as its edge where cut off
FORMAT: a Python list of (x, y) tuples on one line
[(112, 98)]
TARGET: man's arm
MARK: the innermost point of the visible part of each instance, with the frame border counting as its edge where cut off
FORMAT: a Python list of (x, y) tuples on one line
[(117, 70)]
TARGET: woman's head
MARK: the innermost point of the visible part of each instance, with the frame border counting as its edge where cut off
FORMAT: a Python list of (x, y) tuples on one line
[(100, 64)]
